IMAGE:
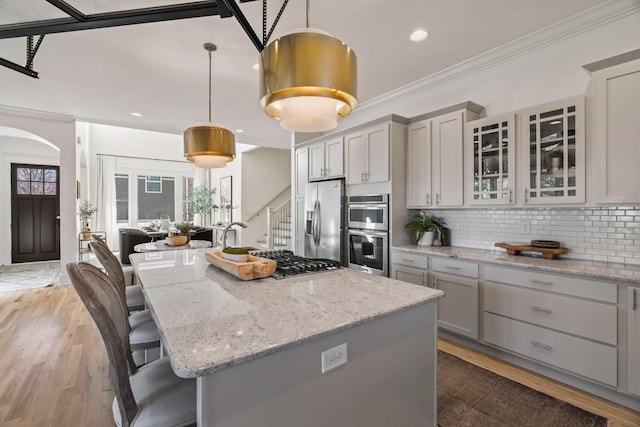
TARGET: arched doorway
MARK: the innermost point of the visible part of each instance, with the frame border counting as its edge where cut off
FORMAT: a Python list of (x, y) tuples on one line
[(31, 197)]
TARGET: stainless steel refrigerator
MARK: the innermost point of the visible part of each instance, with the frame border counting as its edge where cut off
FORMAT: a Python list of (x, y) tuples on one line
[(324, 220)]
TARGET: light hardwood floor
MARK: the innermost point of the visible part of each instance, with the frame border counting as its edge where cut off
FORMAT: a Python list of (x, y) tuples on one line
[(53, 365)]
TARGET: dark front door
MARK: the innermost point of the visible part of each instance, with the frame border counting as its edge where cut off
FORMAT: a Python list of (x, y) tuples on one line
[(35, 210)]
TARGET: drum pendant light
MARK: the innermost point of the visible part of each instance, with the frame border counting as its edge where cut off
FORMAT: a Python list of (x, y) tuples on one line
[(207, 144), (308, 80)]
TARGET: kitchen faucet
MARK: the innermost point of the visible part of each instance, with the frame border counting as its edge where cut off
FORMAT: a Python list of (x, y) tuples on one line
[(224, 233)]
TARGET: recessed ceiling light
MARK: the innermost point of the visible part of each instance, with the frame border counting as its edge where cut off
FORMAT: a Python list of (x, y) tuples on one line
[(239, 131), (134, 114), (256, 67), (418, 35)]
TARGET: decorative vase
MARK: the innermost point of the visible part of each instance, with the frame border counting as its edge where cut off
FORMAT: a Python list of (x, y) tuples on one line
[(86, 233), (427, 238)]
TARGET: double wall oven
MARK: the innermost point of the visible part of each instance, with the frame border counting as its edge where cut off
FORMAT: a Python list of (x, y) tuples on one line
[(368, 233)]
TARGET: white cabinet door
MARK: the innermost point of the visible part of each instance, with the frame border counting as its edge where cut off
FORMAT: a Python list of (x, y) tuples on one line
[(553, 152), (413, 275), (378, 154), (368, 155), (356, 148), (633, 339), (316, 161), (458, 310), (447, 165), (419, 164), (302, 168), (490, 158), (334, 158), (617, 151)]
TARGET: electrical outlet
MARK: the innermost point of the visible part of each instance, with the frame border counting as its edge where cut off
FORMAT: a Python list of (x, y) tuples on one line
[(524, 227), (334, 357)]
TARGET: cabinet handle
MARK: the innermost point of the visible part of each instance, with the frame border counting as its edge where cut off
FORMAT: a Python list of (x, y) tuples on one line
[(427, 198), (541, 282), (366, 176), (435, 283), (539, 344), (544, 310), (437, 198), (362, 177), (450, 267), (635, 299), (510, 196), (526, 194), (407, 260)]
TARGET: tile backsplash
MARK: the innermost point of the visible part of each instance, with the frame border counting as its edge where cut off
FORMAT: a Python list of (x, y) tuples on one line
[(596, 233)]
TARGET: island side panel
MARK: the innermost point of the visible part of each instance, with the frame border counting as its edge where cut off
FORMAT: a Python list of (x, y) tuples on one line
[(389, 379)]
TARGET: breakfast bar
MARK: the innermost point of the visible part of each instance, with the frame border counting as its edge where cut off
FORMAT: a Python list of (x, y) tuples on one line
[(256, 347)]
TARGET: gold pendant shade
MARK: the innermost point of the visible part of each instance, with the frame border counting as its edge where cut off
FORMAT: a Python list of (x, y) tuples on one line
[(209, 145), (309, 80)]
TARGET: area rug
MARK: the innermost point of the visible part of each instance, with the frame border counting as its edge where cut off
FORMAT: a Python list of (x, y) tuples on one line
[(472, 396), (17, 277)]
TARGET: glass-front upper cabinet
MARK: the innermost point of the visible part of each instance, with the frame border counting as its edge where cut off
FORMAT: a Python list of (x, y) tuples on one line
[(553, 148), (491, 158)]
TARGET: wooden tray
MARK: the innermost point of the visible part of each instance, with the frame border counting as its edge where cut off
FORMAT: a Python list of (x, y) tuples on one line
[(547, 253), (254, 268)]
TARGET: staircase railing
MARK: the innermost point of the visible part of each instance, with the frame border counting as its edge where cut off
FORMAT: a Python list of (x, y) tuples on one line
[(262, 209), (279, 225)]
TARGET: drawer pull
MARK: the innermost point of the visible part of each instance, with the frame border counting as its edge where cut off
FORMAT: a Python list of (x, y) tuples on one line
[(544, 310), (635, 299), (541, 282), (407, 260), (539, 344), (450, 267)]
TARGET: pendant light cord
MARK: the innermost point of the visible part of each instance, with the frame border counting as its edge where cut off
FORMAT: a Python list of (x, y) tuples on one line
[(209, 86)]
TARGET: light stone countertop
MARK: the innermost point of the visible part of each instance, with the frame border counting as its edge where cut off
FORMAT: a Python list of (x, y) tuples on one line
[(210, 320), (591, 269)]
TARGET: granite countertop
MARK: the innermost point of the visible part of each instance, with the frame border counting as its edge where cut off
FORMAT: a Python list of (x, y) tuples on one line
[(591, 269), (209, 320)]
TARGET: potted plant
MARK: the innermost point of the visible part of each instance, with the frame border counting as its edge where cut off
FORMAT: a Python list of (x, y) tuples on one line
[(184, 229), (86, 211), (202, 202), (424, 226)]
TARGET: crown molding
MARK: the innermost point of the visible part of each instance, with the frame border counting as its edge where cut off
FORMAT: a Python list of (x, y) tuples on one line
[(606, 13), (35, 114)]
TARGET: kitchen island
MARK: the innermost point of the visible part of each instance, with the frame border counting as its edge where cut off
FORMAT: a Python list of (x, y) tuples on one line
[(256, 347)]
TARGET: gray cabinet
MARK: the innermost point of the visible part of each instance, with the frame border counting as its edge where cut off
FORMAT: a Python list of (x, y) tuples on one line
[(367, 154), (553, 152), (326, 159), (301, 170), (410, 267), (490, 161), (552, 318), (616, 148), (458, 310), (633, 340)]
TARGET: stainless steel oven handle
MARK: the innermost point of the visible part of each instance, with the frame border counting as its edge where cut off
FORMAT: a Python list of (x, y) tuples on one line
[(368, 206), (367, 233)]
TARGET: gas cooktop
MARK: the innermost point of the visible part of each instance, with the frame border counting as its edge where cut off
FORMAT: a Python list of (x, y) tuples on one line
[(290, 264)]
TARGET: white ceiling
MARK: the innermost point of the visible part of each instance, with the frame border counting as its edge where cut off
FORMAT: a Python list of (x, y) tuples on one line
[(161, 69)]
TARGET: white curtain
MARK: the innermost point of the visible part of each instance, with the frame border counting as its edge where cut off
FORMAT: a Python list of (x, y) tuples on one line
[(106, 200)]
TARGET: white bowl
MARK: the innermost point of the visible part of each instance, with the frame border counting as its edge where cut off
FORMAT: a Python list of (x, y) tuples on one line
[(235, 257)]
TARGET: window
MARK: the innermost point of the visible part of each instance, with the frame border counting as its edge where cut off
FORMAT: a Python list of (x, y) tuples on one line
[(122, 198), (153, 203), (153, 184), (37, 181)]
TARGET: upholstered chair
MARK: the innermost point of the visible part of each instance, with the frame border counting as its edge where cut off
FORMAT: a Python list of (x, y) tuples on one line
[(151, 395)]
